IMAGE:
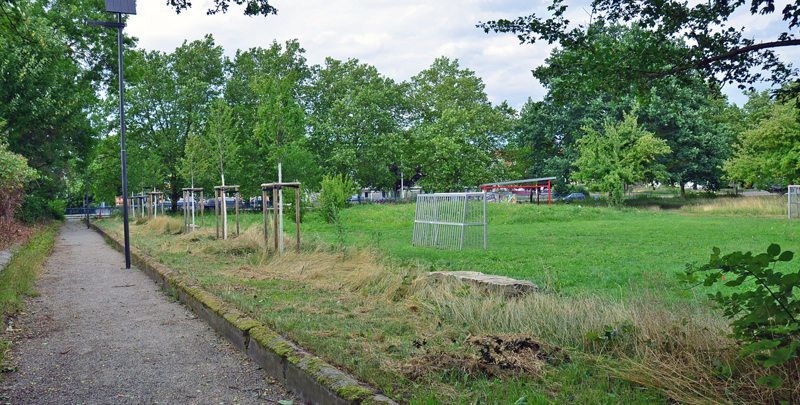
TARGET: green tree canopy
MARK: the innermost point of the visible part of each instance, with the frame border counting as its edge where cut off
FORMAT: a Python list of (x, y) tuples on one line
[(677, 37), (169, 97), (768, 154), (356, 123), (456, 134), (623, 154)]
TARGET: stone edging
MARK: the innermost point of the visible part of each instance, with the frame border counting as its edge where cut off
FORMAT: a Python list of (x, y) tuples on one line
[(308, 377)]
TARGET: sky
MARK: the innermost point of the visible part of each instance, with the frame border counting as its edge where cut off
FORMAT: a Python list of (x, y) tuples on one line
[(399, 38)]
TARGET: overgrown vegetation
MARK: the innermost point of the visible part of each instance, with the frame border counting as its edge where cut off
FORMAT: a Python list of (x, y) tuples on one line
[(336, 189), (14, 176), (18, 278), (766, 316), (611, 316)]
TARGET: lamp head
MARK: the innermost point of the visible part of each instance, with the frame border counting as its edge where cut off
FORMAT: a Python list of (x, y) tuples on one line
[(121, 6)]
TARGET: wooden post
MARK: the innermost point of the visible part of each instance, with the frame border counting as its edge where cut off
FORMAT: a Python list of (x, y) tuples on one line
[(216, 209), (297, 215), (238, 199), (185, 217), (202, 210), (275, 211), (264, 214)]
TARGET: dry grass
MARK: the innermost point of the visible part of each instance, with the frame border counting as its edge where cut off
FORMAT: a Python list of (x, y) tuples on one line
[(679, 348), (747, 206), (165, 225)]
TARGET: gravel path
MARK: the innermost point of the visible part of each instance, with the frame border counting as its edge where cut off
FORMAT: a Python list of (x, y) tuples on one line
[(102, 334)]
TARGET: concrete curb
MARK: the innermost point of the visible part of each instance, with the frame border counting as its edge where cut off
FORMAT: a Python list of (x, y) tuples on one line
[(308, 377)]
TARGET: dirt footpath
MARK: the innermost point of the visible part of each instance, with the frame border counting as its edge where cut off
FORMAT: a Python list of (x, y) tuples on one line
[(103, 334)]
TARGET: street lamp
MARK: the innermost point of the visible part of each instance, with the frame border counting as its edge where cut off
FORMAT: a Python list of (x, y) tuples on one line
[(121, 7)]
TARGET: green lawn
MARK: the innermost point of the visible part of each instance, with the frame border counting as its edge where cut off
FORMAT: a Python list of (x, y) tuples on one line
[(376, 316), (572, 249)]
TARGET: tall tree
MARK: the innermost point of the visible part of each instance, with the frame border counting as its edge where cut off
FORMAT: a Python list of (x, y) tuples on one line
[(356, 123), (456, 134), (708, 43), (53, 66), (684, 116), (256, 100), (170, 98), (680, 109), (768, 154), (622, 154)]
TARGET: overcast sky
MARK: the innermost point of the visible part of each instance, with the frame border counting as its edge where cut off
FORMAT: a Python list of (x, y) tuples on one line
[(399, 38)]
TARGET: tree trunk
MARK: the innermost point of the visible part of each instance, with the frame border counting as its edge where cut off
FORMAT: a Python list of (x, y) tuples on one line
[(175, 195), (683, 190)]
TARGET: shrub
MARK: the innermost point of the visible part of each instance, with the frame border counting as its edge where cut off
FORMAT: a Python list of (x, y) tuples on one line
[(57, 209), (335, 191), (767, 315), (33, 209), (14, 175), (289, 196)]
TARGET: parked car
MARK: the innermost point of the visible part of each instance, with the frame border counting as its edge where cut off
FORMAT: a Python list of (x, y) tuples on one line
[(575, 196)]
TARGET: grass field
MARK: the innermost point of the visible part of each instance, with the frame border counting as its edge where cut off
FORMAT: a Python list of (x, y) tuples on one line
[(573, 249), (18, 278), (357, 295)]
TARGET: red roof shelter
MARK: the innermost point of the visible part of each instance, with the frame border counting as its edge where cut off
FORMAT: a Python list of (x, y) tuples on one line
[(540, 183)]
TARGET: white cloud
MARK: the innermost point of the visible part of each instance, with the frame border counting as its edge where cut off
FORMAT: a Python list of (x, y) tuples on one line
[(399, 38)]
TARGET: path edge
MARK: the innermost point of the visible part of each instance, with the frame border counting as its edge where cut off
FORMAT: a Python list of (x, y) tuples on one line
[(307, 376)]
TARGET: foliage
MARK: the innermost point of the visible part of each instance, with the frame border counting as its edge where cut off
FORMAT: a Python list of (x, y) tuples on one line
[(252, 7), (336, 189), (356, 123), (54, 66), (768, 154), (170, 96), (685, 115), (677, 38), (456, 134), (623, 155), (215, 148), (18, 278), (765, 316), (57, 209), (247, 72), (33, 209), (14, 176)]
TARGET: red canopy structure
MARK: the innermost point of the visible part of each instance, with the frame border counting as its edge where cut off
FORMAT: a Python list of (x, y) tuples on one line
[(540, 183)]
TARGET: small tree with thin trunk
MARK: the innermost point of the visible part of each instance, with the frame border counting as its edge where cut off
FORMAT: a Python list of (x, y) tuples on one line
[(623, 154)]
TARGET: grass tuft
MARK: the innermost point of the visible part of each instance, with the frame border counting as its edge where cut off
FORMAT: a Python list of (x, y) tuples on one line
[(18, 278), (740, 206)]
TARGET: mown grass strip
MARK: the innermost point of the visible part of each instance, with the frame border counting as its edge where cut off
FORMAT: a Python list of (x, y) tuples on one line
[(17, 280)]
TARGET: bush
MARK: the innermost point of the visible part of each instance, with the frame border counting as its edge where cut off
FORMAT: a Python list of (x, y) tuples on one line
[(33, 209), (335, 191), (765, 316), (289, 197), (57, 209), (14, 175)]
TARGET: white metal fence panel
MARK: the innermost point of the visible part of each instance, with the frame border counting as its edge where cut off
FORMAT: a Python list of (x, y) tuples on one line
[(454, 221), (794, 201)]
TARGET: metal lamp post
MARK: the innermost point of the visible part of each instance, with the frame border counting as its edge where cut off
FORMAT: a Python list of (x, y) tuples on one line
[(121, 7)]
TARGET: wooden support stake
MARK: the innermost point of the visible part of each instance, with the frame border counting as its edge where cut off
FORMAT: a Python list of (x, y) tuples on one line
[(238, 199), (275, 222), (216, 209), (297, 215), (264, 214)]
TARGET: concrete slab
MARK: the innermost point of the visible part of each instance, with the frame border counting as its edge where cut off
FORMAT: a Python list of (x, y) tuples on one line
[(505, 286)]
